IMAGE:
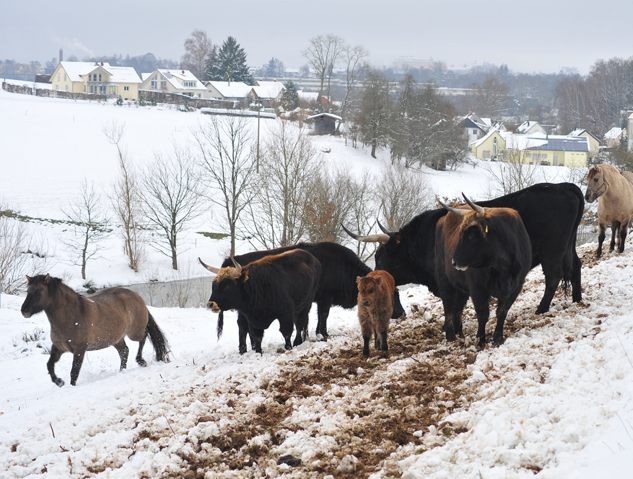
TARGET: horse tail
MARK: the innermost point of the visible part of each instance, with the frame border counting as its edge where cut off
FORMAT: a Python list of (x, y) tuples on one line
[(156, 336), (220, 326)]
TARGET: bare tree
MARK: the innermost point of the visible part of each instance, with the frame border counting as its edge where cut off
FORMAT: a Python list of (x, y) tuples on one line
[(277, 213), (373, 117), (13, 257), (355, 58), (402, 194), (514, 173), (226, 156), (199, 50), (127, 202), (171, 194), (322, 55), (91, 225)]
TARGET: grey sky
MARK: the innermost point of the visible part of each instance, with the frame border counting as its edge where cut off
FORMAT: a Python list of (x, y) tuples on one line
[(536, 36)]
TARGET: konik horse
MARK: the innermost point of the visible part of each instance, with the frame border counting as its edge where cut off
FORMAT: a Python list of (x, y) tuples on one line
[(614, 192)]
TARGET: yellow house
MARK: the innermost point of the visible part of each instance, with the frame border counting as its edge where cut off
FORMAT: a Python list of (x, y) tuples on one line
[(174, 81), (594, 142), (96, 78), (554, 150)]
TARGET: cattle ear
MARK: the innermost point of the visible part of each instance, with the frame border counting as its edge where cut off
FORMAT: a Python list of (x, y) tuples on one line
[(47, 279), (378, 280), (358, 278), (28, 279)]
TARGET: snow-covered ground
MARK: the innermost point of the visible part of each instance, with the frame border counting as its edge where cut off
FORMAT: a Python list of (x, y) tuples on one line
[(554, 401)]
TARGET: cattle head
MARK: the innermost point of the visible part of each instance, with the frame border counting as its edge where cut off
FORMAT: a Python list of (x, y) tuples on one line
[(597, 184), (388, 255), (367, 288), (37, 295), (471, 234), (225, 290)]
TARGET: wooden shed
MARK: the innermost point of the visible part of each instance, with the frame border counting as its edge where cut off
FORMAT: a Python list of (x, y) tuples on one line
[(324, 123)]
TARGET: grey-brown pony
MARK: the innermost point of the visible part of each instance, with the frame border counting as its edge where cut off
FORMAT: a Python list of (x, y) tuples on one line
[(614, 192), (80, 324)]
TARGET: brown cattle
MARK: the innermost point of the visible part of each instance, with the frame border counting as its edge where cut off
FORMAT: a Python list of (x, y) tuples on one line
[(375, 306)]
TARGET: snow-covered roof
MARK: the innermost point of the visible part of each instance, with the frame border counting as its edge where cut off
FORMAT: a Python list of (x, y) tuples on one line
[(526, 126), (485, 137), (234, 89), (268, 89), (76, 70), (308, 95), (613, 133), (523, 142), (328, 115), (577, 132)]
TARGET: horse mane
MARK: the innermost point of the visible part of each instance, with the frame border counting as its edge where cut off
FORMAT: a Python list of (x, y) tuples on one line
[(56, 286)]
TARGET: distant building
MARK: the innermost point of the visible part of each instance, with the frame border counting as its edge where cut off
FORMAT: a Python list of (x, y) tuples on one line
[(268, 92), (594, 141), (231, 91), (425, 63), (614, 136), (174, 81), (96, 78), (530, 127), (324, 123)]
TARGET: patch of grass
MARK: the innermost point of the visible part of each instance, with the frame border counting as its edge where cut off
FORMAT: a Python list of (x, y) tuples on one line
[(216, 236)]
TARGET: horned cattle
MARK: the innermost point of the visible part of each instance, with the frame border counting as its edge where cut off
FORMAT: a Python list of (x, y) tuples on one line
[(279, 286), (481, 253), (337, 285), (375, 306), (550, 213), (614, 192)]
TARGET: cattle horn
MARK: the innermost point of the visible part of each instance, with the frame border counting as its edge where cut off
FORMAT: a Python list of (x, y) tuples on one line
[(456, 211), (210, 268), (383, 229), (238, 268), (380, 238), (480, 211)]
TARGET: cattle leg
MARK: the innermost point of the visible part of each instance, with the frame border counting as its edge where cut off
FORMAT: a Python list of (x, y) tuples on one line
[(124, 351), (398, 310), (624, 228), (453, 307), (55, 355), (551, 285), (576, 283), (323, 311), (285, 327), (502, 313), (383, 341), (601, 236), (78, 359), (366, 346), (615, 230), (243, 330), (366, 328), (482, 309)]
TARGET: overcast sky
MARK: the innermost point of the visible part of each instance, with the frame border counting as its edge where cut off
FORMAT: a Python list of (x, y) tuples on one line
[(537, 36)]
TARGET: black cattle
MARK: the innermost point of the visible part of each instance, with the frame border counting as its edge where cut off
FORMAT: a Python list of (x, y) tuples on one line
[(337, 286), (550, 213), (278, 286), (481, 253)]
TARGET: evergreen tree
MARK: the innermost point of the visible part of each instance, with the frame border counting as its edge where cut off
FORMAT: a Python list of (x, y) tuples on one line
[(290, 98), (230, 64)]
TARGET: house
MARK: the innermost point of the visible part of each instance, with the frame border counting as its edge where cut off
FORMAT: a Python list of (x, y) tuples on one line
[(475, 127), (268, 92), (231, 91), (530, 127), (614, 137), (537, 149), (173, 81), (96, 78), (594, 141), (324, 123)]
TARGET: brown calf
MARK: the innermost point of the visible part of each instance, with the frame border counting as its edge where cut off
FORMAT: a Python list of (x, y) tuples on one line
[(375, 305)]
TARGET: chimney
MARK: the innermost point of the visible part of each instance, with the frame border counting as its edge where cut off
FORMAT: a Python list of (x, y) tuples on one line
[(61, 55), (183, 72), (101, 63)]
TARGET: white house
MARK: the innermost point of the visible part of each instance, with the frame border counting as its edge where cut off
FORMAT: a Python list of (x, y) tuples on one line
[(222, 90), (530, 127), (270, 91), (173, 81)]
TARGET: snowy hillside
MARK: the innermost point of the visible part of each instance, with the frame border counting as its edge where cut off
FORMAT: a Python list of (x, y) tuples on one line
[(554, 401)]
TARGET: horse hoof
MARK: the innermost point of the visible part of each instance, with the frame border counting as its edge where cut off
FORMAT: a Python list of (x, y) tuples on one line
[(480, 343), (59, 382), (141, 362), (499, 341)]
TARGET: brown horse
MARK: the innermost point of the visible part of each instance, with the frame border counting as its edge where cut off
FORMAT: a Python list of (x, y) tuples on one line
[(80, 324), (614, 191)]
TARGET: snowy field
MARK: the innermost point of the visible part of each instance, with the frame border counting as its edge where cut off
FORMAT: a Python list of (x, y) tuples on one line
[(554, 401)]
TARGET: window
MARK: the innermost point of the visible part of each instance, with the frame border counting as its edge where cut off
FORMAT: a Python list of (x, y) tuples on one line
[(64, 76), (66, 87), (163, 85), (126, 88), (474, 132), (153, 83), (555, 160), (99, 76), (486, 154)]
